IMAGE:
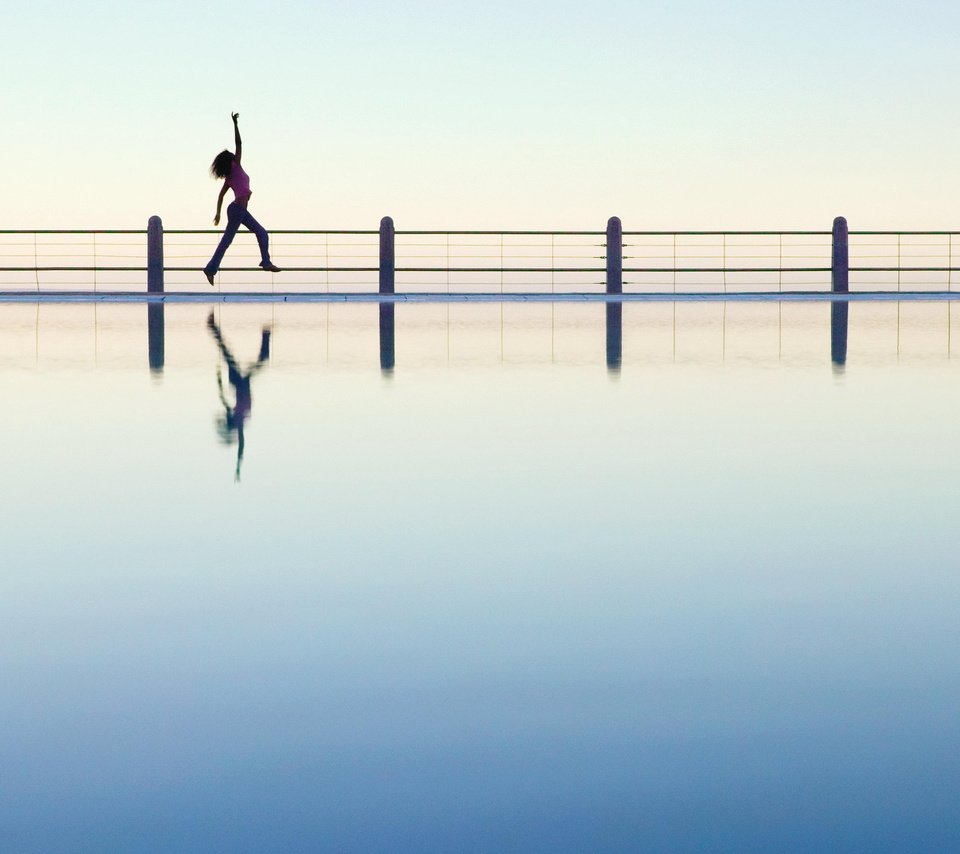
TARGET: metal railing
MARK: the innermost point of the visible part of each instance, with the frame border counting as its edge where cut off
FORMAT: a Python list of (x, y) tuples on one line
[(491, 261)]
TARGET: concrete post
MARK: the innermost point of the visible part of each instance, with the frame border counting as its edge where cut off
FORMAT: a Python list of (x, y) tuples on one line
[(387, 256), (614, 256), (840, 266), (154, 255)]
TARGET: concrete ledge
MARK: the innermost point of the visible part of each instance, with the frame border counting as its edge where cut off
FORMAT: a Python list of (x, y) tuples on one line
[(441, 297)]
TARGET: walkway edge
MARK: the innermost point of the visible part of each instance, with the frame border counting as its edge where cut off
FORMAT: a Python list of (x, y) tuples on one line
[(439, 297)]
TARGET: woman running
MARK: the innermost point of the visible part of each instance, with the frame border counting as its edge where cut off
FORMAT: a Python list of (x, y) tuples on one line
[(226, 165)]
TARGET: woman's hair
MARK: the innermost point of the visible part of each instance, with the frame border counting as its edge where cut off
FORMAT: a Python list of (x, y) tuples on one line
[(220, 167)]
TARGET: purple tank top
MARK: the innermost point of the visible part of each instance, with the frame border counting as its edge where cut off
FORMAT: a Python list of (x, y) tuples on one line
[(239, 182)]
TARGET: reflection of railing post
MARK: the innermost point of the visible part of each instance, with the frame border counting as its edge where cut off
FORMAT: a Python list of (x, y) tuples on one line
[(387, 356), (839, 321), (614, 336), (155, 348), (614, 256), (154, 255), (387, 256), (840, 267)]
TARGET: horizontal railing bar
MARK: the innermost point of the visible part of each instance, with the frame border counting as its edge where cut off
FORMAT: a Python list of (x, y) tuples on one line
[(73, 231), (284, 270), (727, 269), (402, 269), (101, 269), (72, 269), (906, 233), (400, 233), (500, 269), (365, 233), (467, 232), (143, 232), (492, 269), (738, 233)]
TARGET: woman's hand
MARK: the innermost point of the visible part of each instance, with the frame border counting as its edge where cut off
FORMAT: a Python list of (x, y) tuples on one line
[(236, 136)]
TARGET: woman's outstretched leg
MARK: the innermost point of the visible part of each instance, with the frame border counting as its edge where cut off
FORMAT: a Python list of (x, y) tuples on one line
[(234, 220), (263, 239)]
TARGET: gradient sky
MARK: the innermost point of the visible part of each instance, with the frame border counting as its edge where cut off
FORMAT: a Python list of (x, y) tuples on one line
[(494, 115)]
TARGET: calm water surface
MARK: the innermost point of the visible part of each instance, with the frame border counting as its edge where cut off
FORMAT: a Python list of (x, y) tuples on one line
[(686, 582)]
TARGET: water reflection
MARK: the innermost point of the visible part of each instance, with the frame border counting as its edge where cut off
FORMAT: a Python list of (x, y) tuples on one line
[(528, 650), (155, 336), (614, 336), (387, 330), (230, 424), (839, 322), (617, 336)]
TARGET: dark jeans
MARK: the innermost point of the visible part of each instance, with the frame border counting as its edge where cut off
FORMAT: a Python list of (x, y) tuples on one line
[(238, 215)]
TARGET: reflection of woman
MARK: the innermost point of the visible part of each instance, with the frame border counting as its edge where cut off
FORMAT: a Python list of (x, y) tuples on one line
[(226, 165), (233, 418)]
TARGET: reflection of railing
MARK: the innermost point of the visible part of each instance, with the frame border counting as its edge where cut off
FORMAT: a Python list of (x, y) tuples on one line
[(504, 261), (630, 335)]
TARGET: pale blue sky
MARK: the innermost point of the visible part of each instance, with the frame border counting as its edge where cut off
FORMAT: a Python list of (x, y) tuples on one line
[(692, 114)]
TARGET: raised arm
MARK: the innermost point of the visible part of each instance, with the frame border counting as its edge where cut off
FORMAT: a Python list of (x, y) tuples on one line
[(236, 136)]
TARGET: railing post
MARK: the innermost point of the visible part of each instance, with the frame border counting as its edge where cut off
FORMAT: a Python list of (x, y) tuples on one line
[(154, 255), (387, 256), (614, 256), (840, 266)]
